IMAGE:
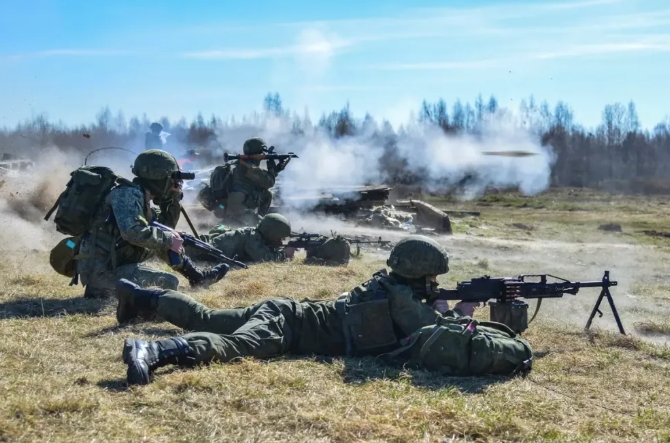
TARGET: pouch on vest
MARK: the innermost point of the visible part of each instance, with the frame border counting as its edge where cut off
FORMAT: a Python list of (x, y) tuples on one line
[(466, 347), (84, 194), (62, 256), (370, 325), (366, 317)]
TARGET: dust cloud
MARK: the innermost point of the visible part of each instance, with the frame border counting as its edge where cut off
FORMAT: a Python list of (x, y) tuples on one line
[(26, 198)]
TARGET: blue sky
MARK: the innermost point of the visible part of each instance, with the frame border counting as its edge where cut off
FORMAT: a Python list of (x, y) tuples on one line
[(175, 58)]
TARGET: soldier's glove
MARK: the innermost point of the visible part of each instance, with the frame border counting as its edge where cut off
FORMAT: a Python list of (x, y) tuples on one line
[(272, 164), (441, 306), (467, 309), (282, 165)]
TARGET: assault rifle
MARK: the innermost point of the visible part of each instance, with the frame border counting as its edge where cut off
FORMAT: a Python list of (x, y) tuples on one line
[(306, 240), (270, 155), (201, 246), (506, 291)]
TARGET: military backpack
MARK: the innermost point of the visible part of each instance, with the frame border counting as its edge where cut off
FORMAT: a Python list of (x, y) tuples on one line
[(333, 251), (467, 347), (84, 194), (219, 181)]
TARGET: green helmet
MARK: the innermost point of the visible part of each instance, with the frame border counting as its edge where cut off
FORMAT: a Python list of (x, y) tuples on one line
[(156, 128), (274, 227), (154, 169), (418, 256), (255, 146)]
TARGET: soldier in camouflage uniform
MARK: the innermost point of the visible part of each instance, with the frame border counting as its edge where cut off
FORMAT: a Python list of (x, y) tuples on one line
[(121, 238), (250, 245), (369, 320), (152, 139), (250, 188)]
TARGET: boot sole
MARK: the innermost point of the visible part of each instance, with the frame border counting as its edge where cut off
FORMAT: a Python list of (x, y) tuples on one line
[(135, 375)]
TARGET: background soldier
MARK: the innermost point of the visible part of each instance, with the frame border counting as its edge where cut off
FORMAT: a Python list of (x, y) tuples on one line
[(250, 187), (251, 245), (357, 323), (121, 238), (152, 139)]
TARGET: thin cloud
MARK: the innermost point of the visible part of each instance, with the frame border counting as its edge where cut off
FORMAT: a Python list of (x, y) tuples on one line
[(311, 43), (579, 5), (436, 66), (607, 48), (69, 53)]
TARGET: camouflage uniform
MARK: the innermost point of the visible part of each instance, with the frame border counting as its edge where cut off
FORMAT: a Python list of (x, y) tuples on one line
[(249, 245), (121, 239), (250, 188), (369, 320), (152, 140)]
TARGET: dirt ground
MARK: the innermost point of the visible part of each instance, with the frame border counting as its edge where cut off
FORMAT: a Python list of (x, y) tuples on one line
[(63, 378)]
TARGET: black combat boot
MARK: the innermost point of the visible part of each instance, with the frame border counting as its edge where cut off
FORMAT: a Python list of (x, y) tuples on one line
[(196, 277), (143, 357), (135, 301)]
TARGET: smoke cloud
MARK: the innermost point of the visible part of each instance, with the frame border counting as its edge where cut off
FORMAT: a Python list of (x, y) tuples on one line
[(328, 163)]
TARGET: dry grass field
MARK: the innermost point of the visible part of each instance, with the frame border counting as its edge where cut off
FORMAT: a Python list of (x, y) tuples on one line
[(62, 378)]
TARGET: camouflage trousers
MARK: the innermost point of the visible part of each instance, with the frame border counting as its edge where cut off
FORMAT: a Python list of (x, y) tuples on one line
[(270, 328), (241, 207), (101, 283)]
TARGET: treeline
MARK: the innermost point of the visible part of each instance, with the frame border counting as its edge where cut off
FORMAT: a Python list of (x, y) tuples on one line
[(617, 155)]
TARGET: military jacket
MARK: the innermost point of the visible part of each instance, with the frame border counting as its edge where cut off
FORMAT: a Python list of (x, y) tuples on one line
[(247, 244), (380, 312), (250, 179), (121, 233)]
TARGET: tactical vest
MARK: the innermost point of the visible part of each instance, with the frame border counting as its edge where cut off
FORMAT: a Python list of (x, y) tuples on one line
[(366, 317), (104, 241)]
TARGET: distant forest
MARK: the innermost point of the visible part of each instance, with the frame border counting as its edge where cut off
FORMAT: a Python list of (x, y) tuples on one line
[(617, 155)]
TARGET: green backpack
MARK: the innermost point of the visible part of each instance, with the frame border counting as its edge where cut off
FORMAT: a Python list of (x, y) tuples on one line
[(334, 251), (84, 194), (219, 181), (467, 347)]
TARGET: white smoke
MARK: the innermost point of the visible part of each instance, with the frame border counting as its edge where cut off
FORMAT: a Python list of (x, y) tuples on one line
[(336, 164), (450, 158)]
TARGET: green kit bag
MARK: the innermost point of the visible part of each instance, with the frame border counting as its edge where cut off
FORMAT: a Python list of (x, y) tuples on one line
[(467, 347)]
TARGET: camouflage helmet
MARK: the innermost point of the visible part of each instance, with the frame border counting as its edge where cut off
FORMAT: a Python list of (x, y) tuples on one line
[(156, 127), (154, 169), (274, 227), (254, 145), (155, 164), (418, 256)]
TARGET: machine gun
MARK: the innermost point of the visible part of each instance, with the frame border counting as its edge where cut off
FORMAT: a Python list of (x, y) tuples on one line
[(308, 240), (201, 246), (305, 240), (506, 291), (358, 243)]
